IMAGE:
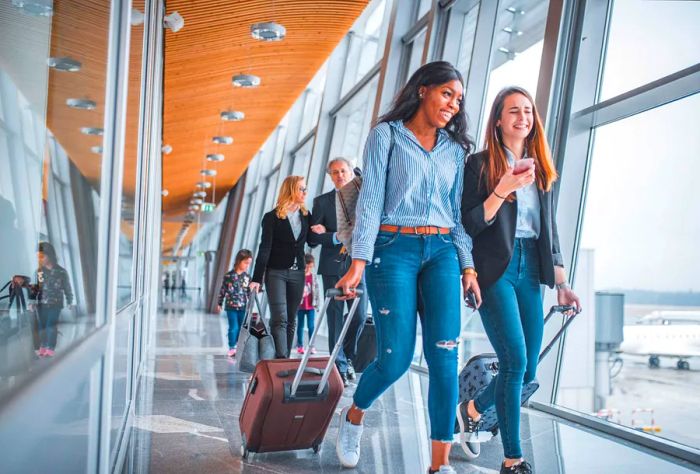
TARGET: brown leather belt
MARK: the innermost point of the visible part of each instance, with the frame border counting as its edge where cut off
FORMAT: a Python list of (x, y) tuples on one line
[(419, 230)]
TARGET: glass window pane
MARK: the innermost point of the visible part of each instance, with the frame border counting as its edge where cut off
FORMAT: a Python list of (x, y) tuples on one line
[(639, 256), (649, 39), (126, 236), (312, 102), (416, 54), (52, 117), (352, 124), (516, 50), (301, 159), (424, 7), (366, 43), (466, 46)]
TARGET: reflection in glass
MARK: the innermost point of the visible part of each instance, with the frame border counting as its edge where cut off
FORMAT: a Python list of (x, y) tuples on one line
[(49, 189), (639, 258), (312, 102), (516, 49), (649, 39), (302, 158)]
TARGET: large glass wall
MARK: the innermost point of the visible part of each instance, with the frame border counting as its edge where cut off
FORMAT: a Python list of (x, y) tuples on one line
[(77, 240), (52, 106), (635, 255)]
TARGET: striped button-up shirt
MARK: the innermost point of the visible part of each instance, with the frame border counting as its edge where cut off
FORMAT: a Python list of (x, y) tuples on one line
[(421, 188)]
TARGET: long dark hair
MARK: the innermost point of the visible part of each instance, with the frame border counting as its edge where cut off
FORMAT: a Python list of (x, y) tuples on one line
[(407, 101)]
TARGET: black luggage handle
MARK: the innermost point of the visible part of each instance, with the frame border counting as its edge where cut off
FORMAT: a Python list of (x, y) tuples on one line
[(567, 320), (308, 370), (330, 294)]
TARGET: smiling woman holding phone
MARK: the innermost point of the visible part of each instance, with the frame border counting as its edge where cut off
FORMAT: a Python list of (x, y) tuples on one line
[(507, 208)]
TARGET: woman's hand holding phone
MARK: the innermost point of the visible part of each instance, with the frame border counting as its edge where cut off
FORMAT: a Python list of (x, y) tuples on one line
[(516, 177)]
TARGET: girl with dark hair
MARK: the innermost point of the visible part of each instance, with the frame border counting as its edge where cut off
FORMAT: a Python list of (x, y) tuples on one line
[(409, 237), (234, 289), (52, 287), (507, 208)]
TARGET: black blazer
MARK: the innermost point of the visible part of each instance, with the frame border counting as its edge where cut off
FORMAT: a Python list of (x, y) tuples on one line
[(493, 244), (323, 211), (278, 248)]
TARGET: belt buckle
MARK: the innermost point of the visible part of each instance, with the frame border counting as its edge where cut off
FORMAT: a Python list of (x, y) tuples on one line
[(415, 230)]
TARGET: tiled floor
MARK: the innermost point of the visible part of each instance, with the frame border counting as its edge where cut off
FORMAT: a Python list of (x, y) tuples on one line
[(187, 421)]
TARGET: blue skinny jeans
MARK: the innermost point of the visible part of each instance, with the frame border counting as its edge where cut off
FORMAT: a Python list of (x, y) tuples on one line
[(310, 315), (512, 314), (408, 272), (235, 321)]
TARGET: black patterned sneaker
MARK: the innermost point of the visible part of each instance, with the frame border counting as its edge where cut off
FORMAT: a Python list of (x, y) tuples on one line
[(520, 468)]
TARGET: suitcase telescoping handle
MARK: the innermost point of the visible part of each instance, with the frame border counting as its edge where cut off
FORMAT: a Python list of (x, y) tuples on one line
[(330, 294), (567, 320)]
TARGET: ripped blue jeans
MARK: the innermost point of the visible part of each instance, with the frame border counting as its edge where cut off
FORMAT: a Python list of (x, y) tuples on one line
[(410, 272)]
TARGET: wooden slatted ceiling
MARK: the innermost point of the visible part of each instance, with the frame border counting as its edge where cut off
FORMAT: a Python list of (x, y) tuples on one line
[(200, 61)]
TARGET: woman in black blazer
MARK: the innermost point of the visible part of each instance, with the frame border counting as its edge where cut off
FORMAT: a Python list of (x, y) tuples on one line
[(507, 209), (280, 260)]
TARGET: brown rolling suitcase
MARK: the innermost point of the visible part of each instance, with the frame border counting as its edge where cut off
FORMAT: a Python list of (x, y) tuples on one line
[(290, 402)]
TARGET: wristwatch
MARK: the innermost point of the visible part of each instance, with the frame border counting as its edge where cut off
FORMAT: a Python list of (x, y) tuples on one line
[(470, 271), (562, 286)]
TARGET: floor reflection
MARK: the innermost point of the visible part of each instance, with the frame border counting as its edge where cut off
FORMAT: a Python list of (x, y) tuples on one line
[(187, 421)]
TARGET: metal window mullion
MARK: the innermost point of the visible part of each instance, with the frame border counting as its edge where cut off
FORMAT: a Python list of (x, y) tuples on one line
[(116, 90), (657, 93), (589, 21), (480, 64), (366, 79)]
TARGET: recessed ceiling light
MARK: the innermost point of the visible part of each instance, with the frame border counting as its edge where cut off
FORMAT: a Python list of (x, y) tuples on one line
[(232, 116), (96, 150), (92, 131), (222, 140), (207, 172), (246, 80), (164, 192), (83, 104), (200, 194), (34, 7), (64, 64), (204, 184), (196, 201), (216, 157), (268, 31), (193, 208)]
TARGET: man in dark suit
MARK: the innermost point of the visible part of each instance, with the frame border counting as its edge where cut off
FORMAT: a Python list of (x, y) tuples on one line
[(332, 266)]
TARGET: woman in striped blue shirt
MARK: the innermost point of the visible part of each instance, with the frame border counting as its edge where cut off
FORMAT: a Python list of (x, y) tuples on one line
[(409, 237)]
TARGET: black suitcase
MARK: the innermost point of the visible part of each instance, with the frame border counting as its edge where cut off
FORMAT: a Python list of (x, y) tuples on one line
[(366, 347), (477, 374)]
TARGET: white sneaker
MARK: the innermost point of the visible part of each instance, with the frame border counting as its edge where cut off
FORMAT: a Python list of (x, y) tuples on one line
[(444, 470), (347, 447)]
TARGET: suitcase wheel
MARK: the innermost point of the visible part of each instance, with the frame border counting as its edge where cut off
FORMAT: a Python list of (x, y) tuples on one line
[(316, 448), (244, 448)]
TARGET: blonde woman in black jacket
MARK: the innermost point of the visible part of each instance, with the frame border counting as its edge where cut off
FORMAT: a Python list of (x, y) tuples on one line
[(280, 260)]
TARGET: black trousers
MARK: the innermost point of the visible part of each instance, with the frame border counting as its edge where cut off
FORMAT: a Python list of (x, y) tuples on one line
[(285, 289), (336, 311)]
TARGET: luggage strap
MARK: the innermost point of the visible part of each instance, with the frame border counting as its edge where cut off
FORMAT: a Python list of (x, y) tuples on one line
[(253, 301), (332, 293), (567, 320)]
